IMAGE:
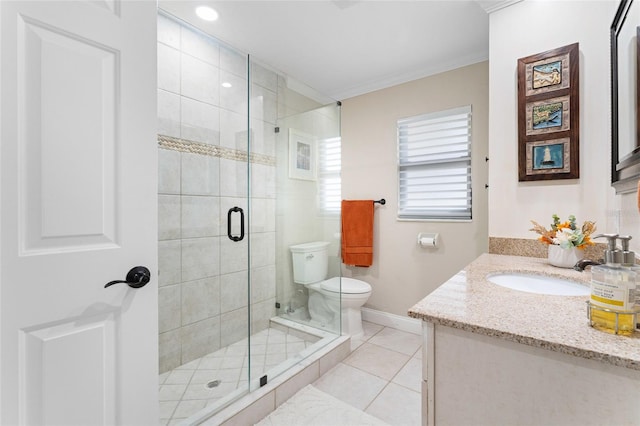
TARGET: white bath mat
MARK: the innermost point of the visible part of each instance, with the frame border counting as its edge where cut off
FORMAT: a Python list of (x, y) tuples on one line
[(312, 407)]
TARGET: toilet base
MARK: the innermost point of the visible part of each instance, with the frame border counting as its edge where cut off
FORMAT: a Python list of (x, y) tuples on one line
[(324, 309)]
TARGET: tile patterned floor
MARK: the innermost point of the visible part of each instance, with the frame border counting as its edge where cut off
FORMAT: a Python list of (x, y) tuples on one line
[(312, 407), (184, 391), (381, 377)]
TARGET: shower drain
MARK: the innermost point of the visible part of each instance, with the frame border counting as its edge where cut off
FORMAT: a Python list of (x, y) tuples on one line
[(212, 384)]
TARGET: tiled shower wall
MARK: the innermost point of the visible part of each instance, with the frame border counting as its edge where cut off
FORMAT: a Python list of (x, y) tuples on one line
[(203, 173)]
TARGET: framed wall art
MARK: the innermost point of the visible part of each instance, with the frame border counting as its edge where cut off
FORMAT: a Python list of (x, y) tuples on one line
[(302, 156), (548, 115)]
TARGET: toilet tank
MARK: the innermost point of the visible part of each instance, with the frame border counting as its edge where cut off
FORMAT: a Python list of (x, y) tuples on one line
[(310, 262)]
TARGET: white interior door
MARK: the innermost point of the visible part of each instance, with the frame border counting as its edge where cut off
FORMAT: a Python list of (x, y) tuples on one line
[(78, 168)]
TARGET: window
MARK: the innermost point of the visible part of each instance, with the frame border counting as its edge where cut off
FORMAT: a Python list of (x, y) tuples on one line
[(434, 165), (329, 181)]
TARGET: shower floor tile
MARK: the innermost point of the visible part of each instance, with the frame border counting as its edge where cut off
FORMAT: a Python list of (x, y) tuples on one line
[(204, 381)]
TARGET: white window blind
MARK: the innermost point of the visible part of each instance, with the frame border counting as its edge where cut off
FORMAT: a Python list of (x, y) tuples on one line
[(434, 165), (329, 181)]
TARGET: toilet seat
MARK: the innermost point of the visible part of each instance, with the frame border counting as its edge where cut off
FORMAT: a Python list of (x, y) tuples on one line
[(347, 286)]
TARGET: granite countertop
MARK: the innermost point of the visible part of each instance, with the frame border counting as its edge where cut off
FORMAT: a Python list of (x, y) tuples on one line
[(469, 302)]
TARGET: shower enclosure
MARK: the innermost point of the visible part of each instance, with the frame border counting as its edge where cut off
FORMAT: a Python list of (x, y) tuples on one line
[(235, 192)]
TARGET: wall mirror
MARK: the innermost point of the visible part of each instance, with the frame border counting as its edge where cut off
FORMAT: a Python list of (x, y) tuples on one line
[(625, 140)]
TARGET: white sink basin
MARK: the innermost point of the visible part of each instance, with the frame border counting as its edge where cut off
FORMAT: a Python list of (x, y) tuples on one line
[(540, 284)]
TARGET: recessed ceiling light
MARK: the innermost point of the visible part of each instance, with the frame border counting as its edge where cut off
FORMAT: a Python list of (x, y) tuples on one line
[(206, 13), (226, 84)]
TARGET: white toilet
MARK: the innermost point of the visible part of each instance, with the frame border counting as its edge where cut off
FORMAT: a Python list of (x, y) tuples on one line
[(310, 267)]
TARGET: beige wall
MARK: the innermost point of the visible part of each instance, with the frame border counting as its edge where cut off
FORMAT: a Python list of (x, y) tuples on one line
[(512, 203), (402, 272)]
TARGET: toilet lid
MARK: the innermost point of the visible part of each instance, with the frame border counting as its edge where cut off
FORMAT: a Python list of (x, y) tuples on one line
[(349, 285)]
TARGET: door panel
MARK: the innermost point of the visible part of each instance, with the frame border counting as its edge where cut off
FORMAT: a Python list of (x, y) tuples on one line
[(67, 127), (74, 362), (78, 180)]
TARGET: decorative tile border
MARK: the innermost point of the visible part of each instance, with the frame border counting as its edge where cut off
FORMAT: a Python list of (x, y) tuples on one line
[(184, 145), (534, 248)]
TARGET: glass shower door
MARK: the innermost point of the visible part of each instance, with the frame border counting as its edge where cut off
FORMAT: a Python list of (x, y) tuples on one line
[(267, 348), (310, 206), (229, 210), (286, 208), (203, 141)]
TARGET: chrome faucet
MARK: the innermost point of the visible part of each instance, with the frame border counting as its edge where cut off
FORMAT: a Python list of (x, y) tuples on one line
[(611, 254), (581, 264)]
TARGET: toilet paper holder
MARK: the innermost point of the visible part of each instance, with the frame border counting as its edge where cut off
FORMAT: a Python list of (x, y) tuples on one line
[(428, 239)]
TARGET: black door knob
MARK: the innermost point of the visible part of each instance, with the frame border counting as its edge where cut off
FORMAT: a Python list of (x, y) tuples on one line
[(137, 277)]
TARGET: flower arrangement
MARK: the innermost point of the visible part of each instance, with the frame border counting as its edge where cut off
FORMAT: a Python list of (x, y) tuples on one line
[(566, 234)]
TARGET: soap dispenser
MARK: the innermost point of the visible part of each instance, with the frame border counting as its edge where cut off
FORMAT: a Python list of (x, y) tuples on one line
[(629, 261), (612, 306)]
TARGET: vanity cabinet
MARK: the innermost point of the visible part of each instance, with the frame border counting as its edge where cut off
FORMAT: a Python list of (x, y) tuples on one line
[(493, 355), (482, 380)]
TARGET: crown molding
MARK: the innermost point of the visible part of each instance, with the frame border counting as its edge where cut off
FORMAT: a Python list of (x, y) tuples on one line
[(408, 76), (491, 6)]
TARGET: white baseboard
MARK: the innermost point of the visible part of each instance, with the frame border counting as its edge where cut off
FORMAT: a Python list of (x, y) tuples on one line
[(410, 325)]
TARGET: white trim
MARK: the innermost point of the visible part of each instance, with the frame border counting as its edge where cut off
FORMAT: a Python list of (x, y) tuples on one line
[(410, 75), (491, 6), (301, 88), (429, 373), (410, 325)]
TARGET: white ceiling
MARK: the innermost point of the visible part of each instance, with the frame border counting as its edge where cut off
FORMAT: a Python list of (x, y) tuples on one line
[(344, 48)]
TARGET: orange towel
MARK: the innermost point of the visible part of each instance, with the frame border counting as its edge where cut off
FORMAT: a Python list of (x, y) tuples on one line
[(357, 232)]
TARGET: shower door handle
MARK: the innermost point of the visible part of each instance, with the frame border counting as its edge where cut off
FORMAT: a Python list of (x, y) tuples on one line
[(235, 237)]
